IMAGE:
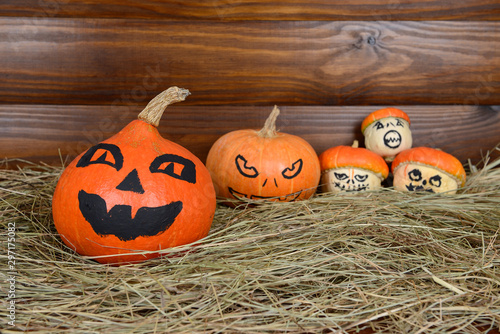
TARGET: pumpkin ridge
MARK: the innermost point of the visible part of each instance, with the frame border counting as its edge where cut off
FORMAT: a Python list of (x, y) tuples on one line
[(313, 156), (231, 156), (304, 144), (337, 153), (290, 159), (261, 153), (306, 147)]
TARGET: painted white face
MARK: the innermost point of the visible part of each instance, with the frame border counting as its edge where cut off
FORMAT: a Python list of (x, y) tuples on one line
[(349, 179), (413, 177), (388, 136)]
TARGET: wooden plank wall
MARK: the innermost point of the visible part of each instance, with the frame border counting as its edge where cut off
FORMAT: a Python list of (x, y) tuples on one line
[(74, 73)]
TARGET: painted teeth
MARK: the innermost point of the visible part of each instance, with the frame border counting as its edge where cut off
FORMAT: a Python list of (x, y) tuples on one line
[(286, 198), (392, 139), (343, 187)]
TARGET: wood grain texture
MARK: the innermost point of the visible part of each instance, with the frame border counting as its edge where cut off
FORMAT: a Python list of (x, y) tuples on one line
[(258, 9), (38, 132), (86, 61)]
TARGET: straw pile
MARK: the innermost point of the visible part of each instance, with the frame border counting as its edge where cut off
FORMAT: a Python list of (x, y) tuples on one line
[(386, 261)]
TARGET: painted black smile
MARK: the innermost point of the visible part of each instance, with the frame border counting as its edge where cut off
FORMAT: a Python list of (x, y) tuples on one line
[(148, 221), (392, 139), (343, 187), (286, 198), (411, 187)]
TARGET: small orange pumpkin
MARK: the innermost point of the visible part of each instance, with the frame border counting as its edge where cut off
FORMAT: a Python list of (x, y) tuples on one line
[(351, 168), (263, 165), (387, 132), (427, 169), (134, 192)]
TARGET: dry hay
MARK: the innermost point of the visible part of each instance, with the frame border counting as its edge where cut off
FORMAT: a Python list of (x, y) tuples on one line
[(389, 261)]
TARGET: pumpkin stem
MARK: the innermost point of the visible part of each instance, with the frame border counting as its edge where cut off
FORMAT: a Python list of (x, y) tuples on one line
[(355, 144), (269, 129), (155, 108)]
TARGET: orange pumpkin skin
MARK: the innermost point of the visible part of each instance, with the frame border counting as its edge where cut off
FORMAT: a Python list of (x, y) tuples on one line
[(128, 156), (282, 167), (383, 113)]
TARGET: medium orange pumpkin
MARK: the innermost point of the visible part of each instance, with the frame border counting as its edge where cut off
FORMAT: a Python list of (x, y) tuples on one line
[(263, 165), (135, 193)]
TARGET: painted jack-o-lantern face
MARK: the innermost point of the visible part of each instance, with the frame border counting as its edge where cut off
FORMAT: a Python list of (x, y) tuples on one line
[(387, 132), (263, 165), (388, 136), (272, 177), (117, 220), (351, 168), (427, 169), (132, 193), (414, 177), (349, 179)]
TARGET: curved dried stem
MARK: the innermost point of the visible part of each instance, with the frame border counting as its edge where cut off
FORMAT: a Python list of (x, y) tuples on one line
[(155, 108), (269, 129)]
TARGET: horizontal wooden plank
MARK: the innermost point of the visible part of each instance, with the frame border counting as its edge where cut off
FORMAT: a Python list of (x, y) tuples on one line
[(38, 132), (84, 61), (258, 9)]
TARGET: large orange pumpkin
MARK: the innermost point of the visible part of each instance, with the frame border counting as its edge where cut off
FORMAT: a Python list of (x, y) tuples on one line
[(135, 193), (263, 165)]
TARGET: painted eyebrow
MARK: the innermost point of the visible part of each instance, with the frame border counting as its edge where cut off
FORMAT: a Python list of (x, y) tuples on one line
[(188, 173), (241, 169), (296, 169), (114, 150)]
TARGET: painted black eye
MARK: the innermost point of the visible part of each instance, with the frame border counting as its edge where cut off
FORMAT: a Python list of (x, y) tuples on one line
[(435, 181), (361, 178), (174, 166), (415, 175), (248, 171), (400, 123), (341, 176), (290, 173), (379, 125), (102, 153)]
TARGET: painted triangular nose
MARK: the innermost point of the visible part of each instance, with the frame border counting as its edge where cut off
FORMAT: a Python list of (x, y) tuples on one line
[(131, 183)]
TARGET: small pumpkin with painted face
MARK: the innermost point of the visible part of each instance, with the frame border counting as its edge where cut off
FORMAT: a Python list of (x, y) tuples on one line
[(263, 165), (427, 169), (387, 132), (351, 168), (135, 193)]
